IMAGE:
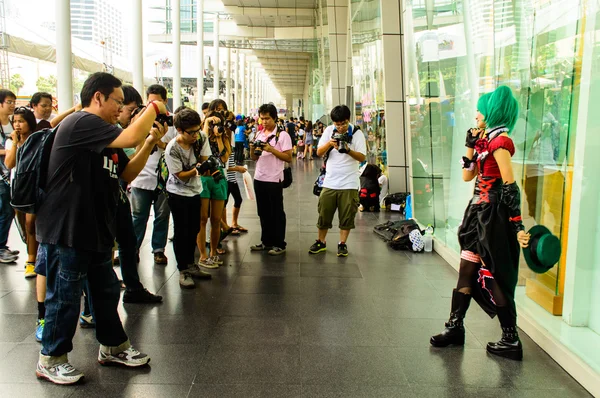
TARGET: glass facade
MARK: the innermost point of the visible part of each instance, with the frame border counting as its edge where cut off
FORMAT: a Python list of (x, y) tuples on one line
[(548, 53)]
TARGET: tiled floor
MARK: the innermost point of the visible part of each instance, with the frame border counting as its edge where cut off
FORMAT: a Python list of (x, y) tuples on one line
[(287, 326)]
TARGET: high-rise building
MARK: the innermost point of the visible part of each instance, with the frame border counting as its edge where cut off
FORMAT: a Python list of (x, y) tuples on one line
[(99, 22)]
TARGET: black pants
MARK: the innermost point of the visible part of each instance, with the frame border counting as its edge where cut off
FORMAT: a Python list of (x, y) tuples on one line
[(186, 225), (269, 203), (233, 189), (127, 241), (239, 153)]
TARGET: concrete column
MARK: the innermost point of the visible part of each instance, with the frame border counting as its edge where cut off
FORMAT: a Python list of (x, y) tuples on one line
[(244, 84), (396, 107), (200, 49), (248, 85), (228, 78), (64, 61), (176, 32), (289, 104), (337, 16), (236, 83), (137, 47), (217, 78)]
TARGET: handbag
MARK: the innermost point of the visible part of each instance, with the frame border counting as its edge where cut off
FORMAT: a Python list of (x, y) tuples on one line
[(318, 185), (287, 177)]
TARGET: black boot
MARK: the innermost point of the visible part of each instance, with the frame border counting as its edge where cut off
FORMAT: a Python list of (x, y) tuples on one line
[(509, 345), (454, 333)]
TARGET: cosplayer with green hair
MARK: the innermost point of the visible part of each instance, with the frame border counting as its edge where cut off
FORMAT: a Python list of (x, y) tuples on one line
[(491, 231)]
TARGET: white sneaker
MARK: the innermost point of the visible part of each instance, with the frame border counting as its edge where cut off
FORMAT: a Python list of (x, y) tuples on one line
[(63, 373), (217, 260), (130, 357), (208, 263)]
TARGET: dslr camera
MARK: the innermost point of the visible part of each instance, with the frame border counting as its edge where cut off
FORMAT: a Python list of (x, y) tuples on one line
[(258, 147), (343, 141), (162, 119), (211, 165)]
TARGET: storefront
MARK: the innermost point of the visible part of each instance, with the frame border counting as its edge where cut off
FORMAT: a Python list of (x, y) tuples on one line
[(548, 53)]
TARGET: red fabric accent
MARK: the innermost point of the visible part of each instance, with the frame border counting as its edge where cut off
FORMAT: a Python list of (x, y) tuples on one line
[(515, 219), (484, 190), (484, 274), (490, 167)]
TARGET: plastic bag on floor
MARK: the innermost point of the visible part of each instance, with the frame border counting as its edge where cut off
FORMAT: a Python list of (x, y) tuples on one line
[(249, 186)]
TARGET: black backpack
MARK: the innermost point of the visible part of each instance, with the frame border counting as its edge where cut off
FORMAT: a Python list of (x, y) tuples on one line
[(29, 183)]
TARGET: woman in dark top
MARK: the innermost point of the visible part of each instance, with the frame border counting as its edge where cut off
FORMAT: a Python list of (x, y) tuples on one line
[(491, 231)]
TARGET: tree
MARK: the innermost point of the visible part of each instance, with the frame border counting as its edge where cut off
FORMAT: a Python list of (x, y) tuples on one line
[(16, 83), (47, 84)]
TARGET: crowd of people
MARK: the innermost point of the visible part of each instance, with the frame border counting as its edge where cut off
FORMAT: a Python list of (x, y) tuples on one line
[(116, 156)]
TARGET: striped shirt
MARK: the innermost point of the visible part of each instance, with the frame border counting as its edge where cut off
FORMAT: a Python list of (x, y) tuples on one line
[(230, 164)]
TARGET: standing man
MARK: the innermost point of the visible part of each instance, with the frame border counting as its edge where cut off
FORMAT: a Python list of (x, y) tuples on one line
[(41, 103), (144, 193), (76, 224), (268, 178), (7, 107), (345, 147)]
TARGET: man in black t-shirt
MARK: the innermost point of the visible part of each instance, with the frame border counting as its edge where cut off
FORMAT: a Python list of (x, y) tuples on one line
[(76, 224)]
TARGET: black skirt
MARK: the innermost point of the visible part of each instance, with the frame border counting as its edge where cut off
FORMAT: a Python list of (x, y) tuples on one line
[(486, 231)]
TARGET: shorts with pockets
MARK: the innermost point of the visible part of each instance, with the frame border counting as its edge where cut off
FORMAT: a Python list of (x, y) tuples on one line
[(345, 201), (214, 190)]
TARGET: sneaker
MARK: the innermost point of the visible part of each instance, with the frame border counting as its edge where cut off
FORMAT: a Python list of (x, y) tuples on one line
[(6, 257), (208, 263), (260, 248), (39, 329), (30, 270), (141, 296), (13, 252), (217, 260), (130, 357), (63, 373), (86, 321), (342, 250), (186, 281), (160, 258), (196, 272), (276, 251), (317, 247)]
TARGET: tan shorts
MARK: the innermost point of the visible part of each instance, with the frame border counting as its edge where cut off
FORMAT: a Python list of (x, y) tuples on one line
[(345, 201)]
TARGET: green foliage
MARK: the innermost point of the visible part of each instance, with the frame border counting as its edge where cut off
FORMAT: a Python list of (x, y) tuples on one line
[(16, 83), (47, 84)]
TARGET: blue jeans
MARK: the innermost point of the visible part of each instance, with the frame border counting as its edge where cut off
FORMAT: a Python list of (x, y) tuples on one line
[(6, 214), (66, 270), (127, 240), (141, 201)]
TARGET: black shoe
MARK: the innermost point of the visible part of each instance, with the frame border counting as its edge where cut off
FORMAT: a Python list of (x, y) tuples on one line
[(116, 262), (509, 345), (454, 333), (317, 247), (342, 250), (141, 296), (160, 258)]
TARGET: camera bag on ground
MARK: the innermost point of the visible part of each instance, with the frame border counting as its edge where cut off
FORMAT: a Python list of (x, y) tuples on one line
[(396, 201), (401, 235), (27, 188), (318, 185)]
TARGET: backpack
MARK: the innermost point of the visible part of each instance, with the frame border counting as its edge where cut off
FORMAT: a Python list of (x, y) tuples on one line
[(401, 235), (29, 183)]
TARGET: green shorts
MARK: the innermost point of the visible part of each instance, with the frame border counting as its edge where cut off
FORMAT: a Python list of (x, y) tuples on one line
[(345, 201), (214, 190)]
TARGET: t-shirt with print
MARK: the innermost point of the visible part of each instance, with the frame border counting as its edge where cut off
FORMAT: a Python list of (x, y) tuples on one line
[(180, 159), (6, 130), (342, 169), (269, 168), (148, 178), (82, 191)]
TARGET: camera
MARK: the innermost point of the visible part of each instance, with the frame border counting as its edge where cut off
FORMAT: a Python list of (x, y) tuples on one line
[(258, 147), (211, 165), (343, 141), (162, 119)]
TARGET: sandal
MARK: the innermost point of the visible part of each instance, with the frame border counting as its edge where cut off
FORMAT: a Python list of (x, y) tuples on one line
[(221, 251), (240, 228)]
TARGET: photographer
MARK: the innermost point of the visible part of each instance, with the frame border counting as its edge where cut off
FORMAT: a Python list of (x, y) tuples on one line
[(76, 224), (344, 146), (214, 183), (184, 186), (271, 149), (144, 194)]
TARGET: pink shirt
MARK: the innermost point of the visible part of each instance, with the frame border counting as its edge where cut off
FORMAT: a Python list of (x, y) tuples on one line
[(268, 167)]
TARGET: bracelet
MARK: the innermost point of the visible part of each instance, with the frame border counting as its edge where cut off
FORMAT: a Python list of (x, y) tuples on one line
[(155, 107)]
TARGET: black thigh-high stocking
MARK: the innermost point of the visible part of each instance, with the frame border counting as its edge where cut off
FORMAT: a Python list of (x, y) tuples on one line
[(466, 275)]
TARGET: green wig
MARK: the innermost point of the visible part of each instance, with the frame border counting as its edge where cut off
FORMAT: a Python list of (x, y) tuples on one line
[(502, 109), (482, 104)]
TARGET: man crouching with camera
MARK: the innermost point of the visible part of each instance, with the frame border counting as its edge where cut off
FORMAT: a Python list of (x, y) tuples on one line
[(344, 148), (271, 149)]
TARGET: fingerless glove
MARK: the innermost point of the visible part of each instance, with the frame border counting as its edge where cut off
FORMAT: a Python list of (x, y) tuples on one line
[(471, 140)]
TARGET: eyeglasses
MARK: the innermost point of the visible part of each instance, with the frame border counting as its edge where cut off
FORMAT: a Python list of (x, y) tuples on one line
[(341, 125), (120, 104), (10, 102), (192, 133)]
